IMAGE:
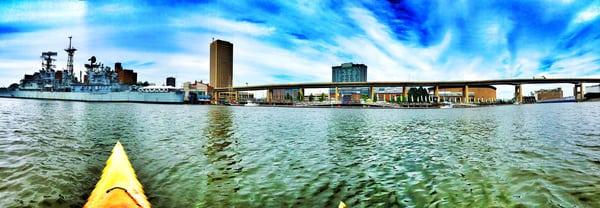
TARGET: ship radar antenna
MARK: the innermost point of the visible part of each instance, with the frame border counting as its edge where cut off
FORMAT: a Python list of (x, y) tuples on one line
[(70, 51), (47, 59)]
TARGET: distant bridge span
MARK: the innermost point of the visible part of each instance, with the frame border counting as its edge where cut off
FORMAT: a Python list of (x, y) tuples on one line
[(576, 81), (577, 89)]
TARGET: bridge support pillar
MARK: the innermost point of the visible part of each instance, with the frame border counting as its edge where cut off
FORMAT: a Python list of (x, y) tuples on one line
[(518, 94), (337, 94), (578, 92), (237, 97), (404, 93), (301, 91), (215, 97), (372, 92), (269, 96), (436, 93), (465, 94)]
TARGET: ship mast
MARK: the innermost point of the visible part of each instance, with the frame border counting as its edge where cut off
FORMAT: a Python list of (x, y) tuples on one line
[(47, 60), (70, 51)]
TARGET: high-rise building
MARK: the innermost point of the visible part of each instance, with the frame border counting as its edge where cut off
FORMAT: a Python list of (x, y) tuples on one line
[(221, 64), (349, 72)]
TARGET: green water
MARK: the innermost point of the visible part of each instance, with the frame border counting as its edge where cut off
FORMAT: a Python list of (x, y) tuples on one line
[(547, 155)]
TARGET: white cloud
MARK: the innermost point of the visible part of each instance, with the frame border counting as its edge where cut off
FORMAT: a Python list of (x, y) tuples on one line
[(260, 56), (222, 25), (572, 67), (588, 14), (45, 12), (391, 59)]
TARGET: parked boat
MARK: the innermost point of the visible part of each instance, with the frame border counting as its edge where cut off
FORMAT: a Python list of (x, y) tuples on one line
[(446, 104), (251, 104)]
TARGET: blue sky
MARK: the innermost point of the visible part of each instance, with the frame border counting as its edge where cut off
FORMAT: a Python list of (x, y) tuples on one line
[(299, 41)]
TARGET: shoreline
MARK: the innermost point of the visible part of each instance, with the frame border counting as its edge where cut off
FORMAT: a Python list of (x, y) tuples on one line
[(340, 106)]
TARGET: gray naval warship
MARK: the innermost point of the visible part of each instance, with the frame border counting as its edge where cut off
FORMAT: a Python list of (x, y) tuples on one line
[(100, 84)]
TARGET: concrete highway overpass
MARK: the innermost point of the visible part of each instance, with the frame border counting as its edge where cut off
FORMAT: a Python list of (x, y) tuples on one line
[(578, 90)]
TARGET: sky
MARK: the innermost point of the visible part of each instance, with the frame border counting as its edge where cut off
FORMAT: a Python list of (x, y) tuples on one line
[(300, 40)]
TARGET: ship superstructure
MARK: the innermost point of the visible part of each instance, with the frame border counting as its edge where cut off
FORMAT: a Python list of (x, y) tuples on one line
[(99, 78), (100, 83)]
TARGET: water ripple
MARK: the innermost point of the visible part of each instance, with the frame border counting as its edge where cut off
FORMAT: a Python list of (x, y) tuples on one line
[(51, 155)]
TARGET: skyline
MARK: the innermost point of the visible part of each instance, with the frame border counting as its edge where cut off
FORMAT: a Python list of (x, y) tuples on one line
[(279, 42)]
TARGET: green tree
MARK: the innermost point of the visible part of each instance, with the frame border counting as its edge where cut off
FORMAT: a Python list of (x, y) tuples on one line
[(311, 97), (412, 94), (300, 96), (322, 97), (375, 98), (288, 96), (143, 84), (364, 97)]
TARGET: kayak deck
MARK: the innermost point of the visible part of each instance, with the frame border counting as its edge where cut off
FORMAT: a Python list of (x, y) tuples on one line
[(118, 186)]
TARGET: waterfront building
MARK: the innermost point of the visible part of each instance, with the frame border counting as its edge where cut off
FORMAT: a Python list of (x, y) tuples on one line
[(349, 72), (197, 92), (592, 91), (221, 64), (171, 81), (388, 94), (285, 95), (221, 69), (486, 93), (549, 94), (243, 97), (126, 76)]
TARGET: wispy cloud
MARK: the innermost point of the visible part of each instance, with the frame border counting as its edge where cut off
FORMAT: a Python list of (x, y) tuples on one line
[(224, 26)]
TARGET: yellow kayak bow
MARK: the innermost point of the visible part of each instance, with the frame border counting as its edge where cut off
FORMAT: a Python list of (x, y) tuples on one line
[(118, 186)]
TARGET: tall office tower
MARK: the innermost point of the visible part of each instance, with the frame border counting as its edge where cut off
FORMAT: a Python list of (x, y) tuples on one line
[(221, 64), (349, 72)]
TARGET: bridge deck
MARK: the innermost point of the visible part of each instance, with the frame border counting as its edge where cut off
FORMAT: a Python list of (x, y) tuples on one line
[(413, 83)]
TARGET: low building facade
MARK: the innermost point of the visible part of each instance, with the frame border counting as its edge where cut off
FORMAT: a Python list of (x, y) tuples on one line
[(477, 94), (197, 92), (549, 94)]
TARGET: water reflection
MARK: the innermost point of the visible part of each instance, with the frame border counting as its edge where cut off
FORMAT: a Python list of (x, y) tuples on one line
[(360, 163), (220, 151)]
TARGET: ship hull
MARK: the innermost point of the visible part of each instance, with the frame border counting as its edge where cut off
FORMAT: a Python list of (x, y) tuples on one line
[(135, 97)]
